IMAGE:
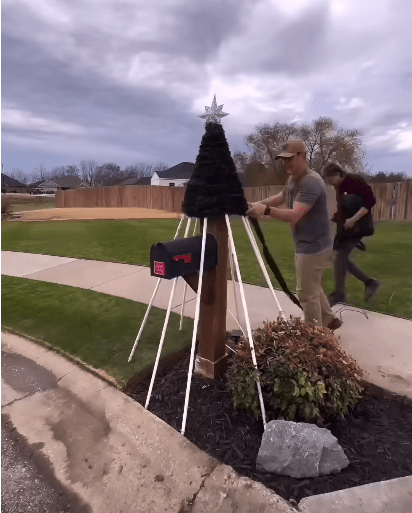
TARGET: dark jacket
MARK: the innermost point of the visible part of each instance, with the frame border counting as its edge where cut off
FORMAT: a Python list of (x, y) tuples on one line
[(352, 194)]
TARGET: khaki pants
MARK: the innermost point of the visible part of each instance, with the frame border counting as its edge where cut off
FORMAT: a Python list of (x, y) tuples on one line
[(309, 278)]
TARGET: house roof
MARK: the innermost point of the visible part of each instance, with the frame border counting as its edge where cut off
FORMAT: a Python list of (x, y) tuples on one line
[(7, 180), (144, 180), (182, 170), (47, 183), (36, 184), (71, 182)]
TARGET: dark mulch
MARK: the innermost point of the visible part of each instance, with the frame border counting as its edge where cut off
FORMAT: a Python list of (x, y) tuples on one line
[(376, 436)]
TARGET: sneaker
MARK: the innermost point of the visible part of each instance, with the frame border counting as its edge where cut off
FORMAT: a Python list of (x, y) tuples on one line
[(335, 298), (334, 324), (371, 288)]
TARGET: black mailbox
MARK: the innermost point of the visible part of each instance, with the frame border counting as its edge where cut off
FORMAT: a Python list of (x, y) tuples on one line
[(182, 256)]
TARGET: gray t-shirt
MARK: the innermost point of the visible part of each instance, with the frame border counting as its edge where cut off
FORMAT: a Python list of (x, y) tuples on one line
[(311, 234)]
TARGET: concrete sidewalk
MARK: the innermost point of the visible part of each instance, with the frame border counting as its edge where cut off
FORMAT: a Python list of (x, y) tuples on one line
[(381, 344)]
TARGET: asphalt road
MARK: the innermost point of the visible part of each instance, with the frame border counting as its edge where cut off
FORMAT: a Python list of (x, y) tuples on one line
[(27, 478)]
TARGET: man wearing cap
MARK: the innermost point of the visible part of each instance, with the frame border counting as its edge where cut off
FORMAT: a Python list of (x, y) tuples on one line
[(307, 212)]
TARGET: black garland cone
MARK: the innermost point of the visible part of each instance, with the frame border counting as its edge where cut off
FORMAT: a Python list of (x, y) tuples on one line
[(214, 188)]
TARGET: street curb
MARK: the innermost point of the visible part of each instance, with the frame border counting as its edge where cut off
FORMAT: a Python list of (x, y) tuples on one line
[(73, 359), (225, 491), (393, 496)]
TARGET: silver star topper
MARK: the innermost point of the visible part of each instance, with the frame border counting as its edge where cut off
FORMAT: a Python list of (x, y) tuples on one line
[(213, 113)]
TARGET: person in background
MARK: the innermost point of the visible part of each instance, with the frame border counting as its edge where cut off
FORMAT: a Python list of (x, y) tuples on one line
[(307, 213), (355, 201)]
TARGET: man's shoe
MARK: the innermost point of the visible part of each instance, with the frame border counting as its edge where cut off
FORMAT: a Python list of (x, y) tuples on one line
[(335, 324), (334, 299), (371, 288)]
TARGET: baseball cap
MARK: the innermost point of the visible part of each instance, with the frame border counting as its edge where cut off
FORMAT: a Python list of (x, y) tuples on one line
[(291, 147)]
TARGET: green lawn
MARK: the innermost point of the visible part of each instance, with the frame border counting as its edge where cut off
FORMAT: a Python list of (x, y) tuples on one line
[(34, 202), (127, 241), (388, 255), (97, 328)]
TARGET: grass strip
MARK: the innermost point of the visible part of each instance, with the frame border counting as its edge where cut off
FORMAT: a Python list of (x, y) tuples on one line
[(96, 328), (20, 203)]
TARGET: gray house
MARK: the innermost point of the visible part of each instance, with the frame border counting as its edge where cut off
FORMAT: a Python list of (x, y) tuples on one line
[(58, 184), (70, 182), (9, 184)]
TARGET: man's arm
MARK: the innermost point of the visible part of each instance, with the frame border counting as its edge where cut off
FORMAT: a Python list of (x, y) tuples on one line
[(290, 215), (287, 215)]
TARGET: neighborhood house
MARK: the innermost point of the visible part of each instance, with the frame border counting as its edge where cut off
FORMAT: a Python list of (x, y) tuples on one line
[(9, 184), (58, 184), (176, 176)]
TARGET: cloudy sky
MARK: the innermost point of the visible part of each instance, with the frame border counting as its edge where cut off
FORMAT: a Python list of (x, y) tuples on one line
[(124, 80)]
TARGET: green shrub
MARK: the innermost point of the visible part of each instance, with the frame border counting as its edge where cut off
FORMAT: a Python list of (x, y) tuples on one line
[(303, 372)]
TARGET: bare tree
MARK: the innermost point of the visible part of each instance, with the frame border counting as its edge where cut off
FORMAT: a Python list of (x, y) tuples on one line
[(161, 166), (138, 170), (88, 170), (108, 174), (18, 174), (39, 173), (267, 139), (389, 177), (266, 144), (328, 143), (241, 160), (323, 140), (72, 170), (57, 172)]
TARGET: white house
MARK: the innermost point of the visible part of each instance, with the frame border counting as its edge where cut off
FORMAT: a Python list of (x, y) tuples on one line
[(176, 176)]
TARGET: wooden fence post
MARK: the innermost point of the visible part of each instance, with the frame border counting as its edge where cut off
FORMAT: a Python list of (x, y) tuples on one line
[(211, 359)]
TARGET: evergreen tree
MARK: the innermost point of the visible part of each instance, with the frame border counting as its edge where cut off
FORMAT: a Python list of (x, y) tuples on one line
[(214, 188)]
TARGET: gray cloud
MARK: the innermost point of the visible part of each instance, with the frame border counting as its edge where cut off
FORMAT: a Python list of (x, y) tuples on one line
[(294, 46), (126, 81)]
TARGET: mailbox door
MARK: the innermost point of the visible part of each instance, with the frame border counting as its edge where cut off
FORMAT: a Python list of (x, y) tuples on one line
[(159, 262)]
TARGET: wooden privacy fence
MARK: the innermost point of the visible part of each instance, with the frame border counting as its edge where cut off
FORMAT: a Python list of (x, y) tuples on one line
[(393, 200), (144, 196)]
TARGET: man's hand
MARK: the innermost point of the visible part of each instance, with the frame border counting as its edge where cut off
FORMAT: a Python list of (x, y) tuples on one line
[(349, 224), (256, 210)]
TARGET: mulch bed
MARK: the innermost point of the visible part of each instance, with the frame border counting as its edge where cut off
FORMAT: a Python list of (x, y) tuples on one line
[(376, 435)]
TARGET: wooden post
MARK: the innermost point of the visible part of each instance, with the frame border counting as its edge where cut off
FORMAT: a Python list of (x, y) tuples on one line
[(211, 360)]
